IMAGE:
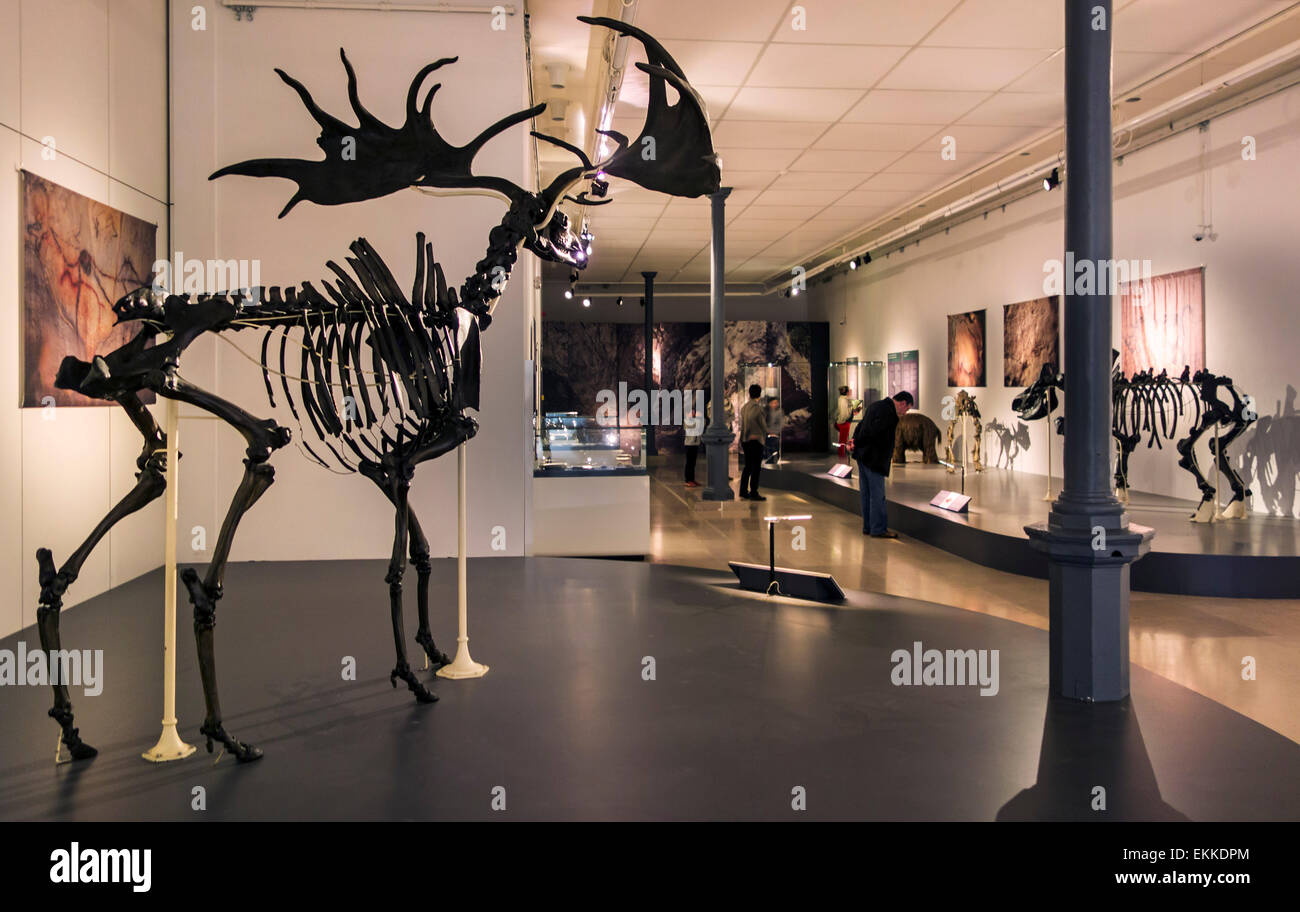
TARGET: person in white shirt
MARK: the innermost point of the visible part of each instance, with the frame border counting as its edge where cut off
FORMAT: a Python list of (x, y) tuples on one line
[(844, 412), (694, 427)]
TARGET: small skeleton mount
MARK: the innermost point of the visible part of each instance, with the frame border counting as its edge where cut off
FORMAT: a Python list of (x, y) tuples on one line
[(1153, 404), (382, 378), (966, 409), (1215, 414)]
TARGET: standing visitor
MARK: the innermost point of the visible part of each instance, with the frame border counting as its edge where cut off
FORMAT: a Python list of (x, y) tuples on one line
[(753, 438), (693, 426), (844, 412), (873, 448)]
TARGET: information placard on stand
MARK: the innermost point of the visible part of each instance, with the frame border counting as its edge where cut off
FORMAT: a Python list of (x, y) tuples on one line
[(951, 500)]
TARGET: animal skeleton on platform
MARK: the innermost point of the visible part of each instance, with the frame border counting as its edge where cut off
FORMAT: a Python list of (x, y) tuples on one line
[(1154, 404), (407, 367), (965, 407)]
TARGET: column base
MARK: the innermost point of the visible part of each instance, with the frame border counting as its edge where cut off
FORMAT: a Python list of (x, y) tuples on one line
[(1089, 557), (717, 454)]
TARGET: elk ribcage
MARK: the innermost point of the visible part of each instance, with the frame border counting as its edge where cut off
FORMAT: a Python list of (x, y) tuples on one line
[(373, 374)]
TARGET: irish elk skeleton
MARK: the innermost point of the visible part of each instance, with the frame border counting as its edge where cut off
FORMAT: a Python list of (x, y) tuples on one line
[(406, 366)]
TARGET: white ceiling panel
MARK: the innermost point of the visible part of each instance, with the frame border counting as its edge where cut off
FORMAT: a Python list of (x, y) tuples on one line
[(798, 197), (757, 134), (901, 181), (1002, 24), (901, 22), (894, 107), (819, 180), (714, 20), (842, 160), (868, 136), (1019, 109), (752, 103), (828, 66), (746, 180), (797, 213), (756, 159), (976, 138), (949, 68)]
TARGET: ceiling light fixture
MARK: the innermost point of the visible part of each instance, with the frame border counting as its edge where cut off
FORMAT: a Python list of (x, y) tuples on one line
[(586, 302), (1052, 181)]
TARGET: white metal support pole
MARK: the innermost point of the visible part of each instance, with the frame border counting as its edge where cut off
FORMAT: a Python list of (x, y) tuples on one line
[(1218, 511), (462, 666), (170, 746), (1048, 495)]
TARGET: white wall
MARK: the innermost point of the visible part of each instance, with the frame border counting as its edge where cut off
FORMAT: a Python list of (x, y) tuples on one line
[(90, 74), (231, 106), (1252, 274)]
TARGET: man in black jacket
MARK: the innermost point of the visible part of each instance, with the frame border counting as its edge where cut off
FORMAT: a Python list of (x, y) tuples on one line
[(873, 448)]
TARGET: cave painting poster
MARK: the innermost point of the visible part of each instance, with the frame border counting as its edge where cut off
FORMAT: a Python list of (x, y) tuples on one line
[(1162, 323), (966, 349), (1030, 339), (79, 256), (905, 374)]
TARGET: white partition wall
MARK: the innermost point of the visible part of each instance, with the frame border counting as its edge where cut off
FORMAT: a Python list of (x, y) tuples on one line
[(89, 75), (230, 106)]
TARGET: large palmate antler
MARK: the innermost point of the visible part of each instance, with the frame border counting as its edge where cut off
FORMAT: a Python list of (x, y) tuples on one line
[(373, 159), (683, 162)]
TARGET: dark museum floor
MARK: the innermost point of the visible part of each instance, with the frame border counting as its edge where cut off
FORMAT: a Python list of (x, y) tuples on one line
[(1196, 641), (752, 698)]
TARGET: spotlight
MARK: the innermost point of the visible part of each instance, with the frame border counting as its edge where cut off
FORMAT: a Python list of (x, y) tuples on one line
[(599, 186), (853, 263), (1052, 180), (794, 291), (642, 302), (568, 294), (586, 302), (573, 276), (866, 258), (620, 301)]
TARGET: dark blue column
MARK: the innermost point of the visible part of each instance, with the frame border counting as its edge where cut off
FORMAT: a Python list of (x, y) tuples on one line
[(649, 277), (717, 436), (1086, 537)]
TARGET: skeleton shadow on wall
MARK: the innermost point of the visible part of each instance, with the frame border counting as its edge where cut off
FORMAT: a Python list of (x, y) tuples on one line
[(1010, 441), (1268, 457)]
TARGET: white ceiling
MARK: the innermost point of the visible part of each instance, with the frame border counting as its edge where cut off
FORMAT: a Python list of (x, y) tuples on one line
[(822, 131)]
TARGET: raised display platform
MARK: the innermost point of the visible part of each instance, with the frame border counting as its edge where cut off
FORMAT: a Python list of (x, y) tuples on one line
[(1256, 557)]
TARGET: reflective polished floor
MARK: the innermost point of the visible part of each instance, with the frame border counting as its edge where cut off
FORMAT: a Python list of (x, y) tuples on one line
[(1200, 643), (618, 690)]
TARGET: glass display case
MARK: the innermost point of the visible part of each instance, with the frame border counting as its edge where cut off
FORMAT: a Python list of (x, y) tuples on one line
[(866, 384), (769, 377), (571, 444)]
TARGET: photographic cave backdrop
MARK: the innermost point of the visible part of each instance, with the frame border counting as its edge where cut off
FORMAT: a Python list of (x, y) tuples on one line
[(581, 359)]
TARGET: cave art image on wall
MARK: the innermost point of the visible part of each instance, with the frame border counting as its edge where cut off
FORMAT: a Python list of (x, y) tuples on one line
[(905, 373), (79, 256), (966, 349), (1162, 323), (1030, 339)]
